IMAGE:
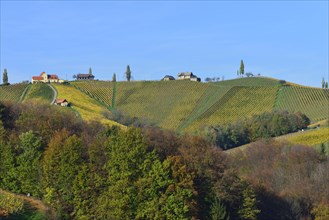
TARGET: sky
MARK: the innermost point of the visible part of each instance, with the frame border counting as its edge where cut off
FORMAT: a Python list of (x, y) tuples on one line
[(281, 39)]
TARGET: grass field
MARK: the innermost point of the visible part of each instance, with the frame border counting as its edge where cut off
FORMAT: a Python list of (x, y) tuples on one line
[(12, 92), (250, 81), (88, 108), (41, 92)]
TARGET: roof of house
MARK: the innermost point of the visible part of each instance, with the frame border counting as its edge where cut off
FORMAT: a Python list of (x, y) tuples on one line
[(168, 76), (185, 74), (85, 75), (37, 77), (53, 76), (60, 101)]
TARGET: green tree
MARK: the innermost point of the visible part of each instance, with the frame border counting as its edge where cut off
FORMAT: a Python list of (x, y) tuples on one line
[(326, 85), (218, 210), (128, 73), (114, 77), (28, 163), (323, 83), (241, 68), (249, 210), (8, 173), (90, 72), (5, 77)]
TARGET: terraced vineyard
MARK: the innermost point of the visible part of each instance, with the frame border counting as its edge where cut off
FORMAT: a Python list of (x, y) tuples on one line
[(310, 138), (88, 108), (41, 92), (165, 103), (311, 101), (99, 90), (250, 81), (12, 92), (237, 103)]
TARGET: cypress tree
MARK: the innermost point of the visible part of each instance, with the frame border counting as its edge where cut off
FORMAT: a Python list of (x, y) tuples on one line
[(128, 73), (90, 71), (114, 77), (241, 67), (5, 77)]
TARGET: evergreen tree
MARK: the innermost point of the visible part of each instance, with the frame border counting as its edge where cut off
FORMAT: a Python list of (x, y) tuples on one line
[(326, 85), (241, 68), (323, 83), (114, 77), (249, 210), (218, 211), (28, 163), (5, 77), (128, 73), (90, 71)]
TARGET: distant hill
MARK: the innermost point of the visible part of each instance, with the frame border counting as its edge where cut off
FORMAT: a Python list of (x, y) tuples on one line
[(186, 106)]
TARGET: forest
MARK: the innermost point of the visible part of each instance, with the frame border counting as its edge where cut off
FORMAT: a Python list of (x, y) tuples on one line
[(92, 171)]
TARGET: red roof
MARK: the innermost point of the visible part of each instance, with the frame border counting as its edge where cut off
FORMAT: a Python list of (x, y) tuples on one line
[(37, 77), (52, 76), (60, 100)]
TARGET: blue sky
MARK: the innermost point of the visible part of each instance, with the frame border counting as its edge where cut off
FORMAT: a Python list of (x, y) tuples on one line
[(285, 40)]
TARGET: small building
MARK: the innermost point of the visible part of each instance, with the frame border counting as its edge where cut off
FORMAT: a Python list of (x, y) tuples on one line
[(61, 102), (188, 76), (45, 78), (82, 76), (168, 78)]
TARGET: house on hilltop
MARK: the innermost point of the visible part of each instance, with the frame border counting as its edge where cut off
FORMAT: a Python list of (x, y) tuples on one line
[(82, 76), (168, 77), (45, 78), (188, 76)]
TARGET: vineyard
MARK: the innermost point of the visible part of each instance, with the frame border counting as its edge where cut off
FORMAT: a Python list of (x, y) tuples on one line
[(310, 138), (99, 90), (250, 81), (12, 92), (311, 101), (236, 104), (189, 106), (41, 92), (88, 108)]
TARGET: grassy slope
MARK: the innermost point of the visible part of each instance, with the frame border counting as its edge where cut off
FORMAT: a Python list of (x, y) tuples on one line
[(88, 108), (188, 106), (12, 92), (40, 92)]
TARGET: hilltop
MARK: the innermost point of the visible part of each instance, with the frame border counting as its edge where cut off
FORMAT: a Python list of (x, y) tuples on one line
[(184, 106)]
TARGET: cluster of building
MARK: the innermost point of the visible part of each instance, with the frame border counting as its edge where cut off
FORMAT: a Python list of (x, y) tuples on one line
[(183, 76), (46, 78), (53, 78)]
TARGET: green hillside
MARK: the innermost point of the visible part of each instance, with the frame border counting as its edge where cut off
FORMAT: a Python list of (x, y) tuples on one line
[(184, 105), (12, 92), (40, 92), (311, 101), (189, 106)]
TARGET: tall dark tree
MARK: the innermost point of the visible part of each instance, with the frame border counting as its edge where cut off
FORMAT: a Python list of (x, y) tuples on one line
[(241, 67), (114, 77), (5, 77), (323, 83), (90, 71), (326, 85), (128, 73)]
